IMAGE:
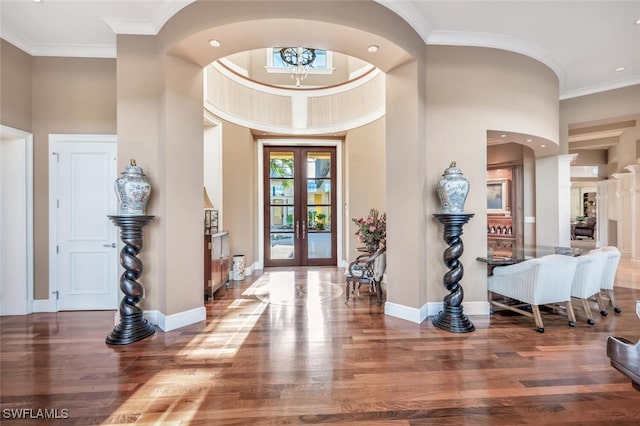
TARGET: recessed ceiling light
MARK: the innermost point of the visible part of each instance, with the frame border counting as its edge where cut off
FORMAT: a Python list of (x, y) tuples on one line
[(638, 22), (40, 1), (620, 69), (529, 140), (373, 48), (503, 136), (214, 43), (542, 146)]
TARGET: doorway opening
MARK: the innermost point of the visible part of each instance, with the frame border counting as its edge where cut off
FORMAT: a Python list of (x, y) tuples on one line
[(299, 223), (16, 222), (299, 206)]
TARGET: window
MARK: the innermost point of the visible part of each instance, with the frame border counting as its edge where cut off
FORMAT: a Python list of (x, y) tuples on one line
[(323, 64)]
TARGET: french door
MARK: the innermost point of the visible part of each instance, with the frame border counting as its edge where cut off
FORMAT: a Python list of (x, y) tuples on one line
[(300, 206)]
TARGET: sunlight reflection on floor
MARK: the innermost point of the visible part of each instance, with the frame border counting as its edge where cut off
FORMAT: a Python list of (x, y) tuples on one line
[(281, 288)]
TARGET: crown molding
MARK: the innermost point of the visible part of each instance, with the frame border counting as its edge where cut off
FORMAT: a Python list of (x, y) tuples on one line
[(598, 88), (131, 26)]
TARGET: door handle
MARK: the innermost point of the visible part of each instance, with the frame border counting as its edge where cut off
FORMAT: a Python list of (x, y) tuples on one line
[(304, 229), (109, 245), (297, 229)]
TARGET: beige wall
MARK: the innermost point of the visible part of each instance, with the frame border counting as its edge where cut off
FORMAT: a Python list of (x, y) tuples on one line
[(183, 138), (590, 157), (505, 153), (469, 91), (15, 87), (438, 110), (160, 124), (407, 196), (239, 179), (70, 95), (140, 77), (365, 176), (607, 107)]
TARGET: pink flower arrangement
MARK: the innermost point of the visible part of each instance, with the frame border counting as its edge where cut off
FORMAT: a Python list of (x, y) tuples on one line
[(372, 230)]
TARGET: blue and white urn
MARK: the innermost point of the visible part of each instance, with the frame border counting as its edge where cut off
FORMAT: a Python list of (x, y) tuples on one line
[(133, 189), (452, 190)]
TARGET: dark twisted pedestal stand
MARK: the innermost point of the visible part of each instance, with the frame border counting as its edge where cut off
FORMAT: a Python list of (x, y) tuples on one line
[(451, 318), (132, 327)]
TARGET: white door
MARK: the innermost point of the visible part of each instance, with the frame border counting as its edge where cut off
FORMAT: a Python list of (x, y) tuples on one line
[(85, 244), (16, 221)]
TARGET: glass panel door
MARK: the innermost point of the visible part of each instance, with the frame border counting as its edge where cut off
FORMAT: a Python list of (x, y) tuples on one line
[(319, 205), (281, 206), (300, 206)]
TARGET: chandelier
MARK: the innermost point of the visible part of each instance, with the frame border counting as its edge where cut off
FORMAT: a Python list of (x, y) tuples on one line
[(299, 60)]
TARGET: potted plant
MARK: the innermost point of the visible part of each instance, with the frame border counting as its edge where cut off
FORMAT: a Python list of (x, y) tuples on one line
[(372, 230), (320, 225)]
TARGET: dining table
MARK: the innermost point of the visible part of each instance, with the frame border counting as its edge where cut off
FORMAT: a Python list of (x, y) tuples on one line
[(526, 252)]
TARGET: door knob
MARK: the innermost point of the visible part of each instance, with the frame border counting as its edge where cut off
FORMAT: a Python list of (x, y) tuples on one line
[(109, 245)]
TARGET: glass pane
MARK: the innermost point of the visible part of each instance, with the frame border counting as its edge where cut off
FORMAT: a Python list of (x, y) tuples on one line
[(281, 191), (319, 218), (281, 219), (320, 63), (318, 191), (319, 245), (318, 164), (282, 246), (281, 164)]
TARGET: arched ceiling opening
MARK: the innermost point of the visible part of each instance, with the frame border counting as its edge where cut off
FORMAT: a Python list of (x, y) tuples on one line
[(250, 35)]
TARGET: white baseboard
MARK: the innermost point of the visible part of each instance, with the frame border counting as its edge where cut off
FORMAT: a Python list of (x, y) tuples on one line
[(405, 312), (476, 308), (175, 321), (44, 305), (430, 309)]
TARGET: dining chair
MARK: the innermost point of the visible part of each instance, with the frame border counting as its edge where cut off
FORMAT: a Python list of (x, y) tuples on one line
[(609, 277), (586, 281), (540, 281), (367, 269)]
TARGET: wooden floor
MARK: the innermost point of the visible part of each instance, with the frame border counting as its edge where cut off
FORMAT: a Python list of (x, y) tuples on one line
[(283, 348)]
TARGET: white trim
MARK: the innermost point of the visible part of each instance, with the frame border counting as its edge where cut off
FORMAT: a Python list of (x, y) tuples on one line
[(598, 88), (44, 305), (430, 309), (216, 192), (299, 142), (299, 101), (476, 308), (412, 14), (28, 182), (54, 139), (137, 26), (233, 67), (269, 128), (177, 320), (407, 313), (283, 91), (315, 71), (74, 50)]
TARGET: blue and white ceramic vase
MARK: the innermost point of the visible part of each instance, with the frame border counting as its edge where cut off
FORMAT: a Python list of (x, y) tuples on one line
[(452, 190), (133, 189)]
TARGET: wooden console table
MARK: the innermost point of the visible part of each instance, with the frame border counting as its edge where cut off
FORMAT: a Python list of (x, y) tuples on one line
[(218, 264)]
